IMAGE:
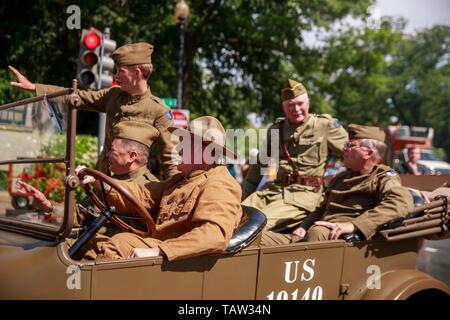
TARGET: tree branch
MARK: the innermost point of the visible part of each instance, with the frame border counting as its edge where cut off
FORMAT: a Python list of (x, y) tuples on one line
[(398, 108)]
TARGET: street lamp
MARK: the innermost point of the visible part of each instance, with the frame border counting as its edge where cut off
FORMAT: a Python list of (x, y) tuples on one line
[(181, 15)]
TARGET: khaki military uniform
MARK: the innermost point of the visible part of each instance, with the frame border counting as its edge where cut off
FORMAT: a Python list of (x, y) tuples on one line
[(196, 215), (141, 176), (286, 203), (367, 200), (121, 106)]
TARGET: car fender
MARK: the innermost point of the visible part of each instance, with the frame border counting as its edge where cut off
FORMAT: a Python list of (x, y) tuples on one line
[(402, 284)]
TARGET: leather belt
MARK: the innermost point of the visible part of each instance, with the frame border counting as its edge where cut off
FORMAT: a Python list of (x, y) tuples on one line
[(316, 182)]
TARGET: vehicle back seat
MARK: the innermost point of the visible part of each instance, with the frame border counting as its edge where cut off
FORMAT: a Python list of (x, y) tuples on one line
[(418, 200), (252, 223)]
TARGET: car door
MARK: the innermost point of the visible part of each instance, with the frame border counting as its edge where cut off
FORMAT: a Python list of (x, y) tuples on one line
[(227, 276), (148, 278)]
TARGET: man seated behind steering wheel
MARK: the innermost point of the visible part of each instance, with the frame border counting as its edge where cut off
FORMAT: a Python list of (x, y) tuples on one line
[(197, 210), (127, 162)]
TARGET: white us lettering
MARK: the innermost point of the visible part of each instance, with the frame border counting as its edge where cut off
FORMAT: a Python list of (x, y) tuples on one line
[(292, 275)]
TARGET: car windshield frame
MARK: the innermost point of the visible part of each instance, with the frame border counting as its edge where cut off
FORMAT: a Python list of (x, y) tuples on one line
[(46, 231)]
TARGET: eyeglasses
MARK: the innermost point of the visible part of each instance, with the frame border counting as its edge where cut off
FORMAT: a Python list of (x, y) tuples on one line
[(351, 145)]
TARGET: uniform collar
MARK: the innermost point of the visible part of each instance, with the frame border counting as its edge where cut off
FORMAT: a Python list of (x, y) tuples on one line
[(133, 98), (195, 173), (199, 172), (369, 171), (132, 175), (298, 125)]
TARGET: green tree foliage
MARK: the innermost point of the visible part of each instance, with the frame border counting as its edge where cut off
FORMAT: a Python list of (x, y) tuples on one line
[(235, 49), (86, 149), (86, 154), (371, 76), (7, 93), (353, 74), (419, 82)]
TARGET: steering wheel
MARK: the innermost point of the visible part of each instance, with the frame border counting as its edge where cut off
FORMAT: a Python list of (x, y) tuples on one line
[(104, 205)]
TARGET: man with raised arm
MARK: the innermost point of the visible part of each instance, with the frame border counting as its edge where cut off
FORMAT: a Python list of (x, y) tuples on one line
[(132, 100)]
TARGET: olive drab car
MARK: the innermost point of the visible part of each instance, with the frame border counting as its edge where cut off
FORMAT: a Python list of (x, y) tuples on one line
[(39, 253)]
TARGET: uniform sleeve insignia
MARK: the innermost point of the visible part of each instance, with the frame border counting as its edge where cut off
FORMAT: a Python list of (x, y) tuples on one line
[(336, 123), (169, 115), (391, 173)]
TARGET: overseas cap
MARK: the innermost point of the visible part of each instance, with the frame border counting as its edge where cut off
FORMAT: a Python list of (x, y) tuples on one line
[(133, 53), (356, 131), (137, 131), (292, 89)]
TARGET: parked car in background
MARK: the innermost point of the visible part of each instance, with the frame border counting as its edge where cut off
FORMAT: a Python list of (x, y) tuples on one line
[(427, 158)]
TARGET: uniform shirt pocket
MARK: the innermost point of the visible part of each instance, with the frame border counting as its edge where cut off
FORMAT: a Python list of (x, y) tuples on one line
[(178, 206), (308, 151)]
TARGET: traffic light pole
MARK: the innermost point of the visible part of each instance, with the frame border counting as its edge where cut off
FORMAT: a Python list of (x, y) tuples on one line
[(180, 65), (102, 115)]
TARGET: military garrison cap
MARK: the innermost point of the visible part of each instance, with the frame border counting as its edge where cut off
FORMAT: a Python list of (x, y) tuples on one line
[(136, 131), (356, 131), (291, 90), (132, 54)]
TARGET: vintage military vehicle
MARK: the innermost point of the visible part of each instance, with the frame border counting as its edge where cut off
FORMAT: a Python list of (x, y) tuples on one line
[(39, 256)]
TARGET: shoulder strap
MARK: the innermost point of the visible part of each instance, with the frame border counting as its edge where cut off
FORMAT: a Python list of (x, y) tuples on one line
[(286, 151)]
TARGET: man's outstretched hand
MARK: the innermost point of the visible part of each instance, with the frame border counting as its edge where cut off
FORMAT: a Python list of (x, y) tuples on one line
[(22, 82), (40, 202)]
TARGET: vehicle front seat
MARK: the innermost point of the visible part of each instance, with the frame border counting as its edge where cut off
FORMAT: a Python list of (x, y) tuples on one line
[(252, 223)]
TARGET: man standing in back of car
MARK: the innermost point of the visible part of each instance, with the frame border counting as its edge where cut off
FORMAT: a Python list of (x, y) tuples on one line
[(305, 142), (132, 101)]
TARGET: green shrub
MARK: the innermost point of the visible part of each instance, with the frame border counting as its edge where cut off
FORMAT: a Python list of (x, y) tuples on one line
[(4, 180), (86, 154)]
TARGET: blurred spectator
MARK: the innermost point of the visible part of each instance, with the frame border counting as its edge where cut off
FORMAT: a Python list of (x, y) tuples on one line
[(412, 166)]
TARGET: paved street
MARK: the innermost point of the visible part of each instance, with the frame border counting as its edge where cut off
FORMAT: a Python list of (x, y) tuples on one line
[(434, 258)]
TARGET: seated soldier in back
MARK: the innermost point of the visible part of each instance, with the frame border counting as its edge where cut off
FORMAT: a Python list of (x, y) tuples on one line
[(363, 198)]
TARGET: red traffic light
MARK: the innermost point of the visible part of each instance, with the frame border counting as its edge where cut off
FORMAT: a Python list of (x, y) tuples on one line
[(91, 40)]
